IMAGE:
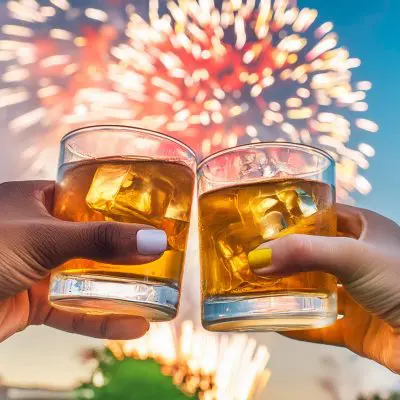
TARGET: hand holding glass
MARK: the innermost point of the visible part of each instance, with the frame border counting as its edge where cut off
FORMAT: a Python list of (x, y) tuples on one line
[(248, 196), (122, 174)]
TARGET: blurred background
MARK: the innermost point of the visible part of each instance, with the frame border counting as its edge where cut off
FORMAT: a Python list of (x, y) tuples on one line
[(213, 74)]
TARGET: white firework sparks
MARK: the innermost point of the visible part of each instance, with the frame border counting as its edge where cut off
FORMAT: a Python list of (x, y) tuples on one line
[(211, 75)]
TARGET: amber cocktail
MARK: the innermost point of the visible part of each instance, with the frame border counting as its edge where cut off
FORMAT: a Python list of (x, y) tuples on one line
[(128, 175), (247, 197)]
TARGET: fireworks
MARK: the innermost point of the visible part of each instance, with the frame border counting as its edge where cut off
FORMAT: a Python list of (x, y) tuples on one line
[(212, 73), (211, 366)]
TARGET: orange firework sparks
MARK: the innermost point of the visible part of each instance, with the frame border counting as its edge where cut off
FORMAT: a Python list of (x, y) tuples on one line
[(213, 75)]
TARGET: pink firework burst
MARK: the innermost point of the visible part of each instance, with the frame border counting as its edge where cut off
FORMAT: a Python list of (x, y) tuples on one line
[(213, 74)]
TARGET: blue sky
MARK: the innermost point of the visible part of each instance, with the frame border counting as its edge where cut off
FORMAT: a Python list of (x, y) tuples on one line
[(369, 29)]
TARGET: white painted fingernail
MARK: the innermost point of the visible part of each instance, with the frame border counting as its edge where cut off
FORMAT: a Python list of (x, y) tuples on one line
[(151, 242)]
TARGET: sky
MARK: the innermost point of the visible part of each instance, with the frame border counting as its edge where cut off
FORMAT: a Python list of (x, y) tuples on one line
[(369, 29)]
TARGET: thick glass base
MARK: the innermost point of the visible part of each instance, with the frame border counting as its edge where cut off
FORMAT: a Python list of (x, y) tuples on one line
[(283, 312), (95, 294)]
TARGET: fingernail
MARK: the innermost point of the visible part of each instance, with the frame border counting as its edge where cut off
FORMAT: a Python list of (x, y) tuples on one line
[(260, 258), (151, 242)]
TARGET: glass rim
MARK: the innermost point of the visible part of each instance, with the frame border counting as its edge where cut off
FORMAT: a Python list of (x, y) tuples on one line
[(78, 131), (313, 149)]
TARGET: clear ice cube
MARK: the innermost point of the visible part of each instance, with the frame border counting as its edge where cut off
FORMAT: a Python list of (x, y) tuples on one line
[(177, 232), (306, 203), (177, 210), (259, 206), (298, 202), (121, 194), (239, 265), (268, 215), (105, 186), (235, 262), (181, 198), (232, 246), (271, 224), (224, 249)]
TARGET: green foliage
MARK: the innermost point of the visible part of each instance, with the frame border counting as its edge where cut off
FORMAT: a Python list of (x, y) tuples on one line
[(130, 379), (393, 396)]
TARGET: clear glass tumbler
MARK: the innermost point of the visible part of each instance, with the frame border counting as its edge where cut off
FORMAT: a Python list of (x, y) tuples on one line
[(248, 196), (130, 175)]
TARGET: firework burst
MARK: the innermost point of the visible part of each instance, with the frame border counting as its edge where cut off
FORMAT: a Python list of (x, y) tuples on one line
[(210, 366), (213, 74)]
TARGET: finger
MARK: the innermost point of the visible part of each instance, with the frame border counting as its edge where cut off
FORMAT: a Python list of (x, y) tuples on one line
[(44, 193), (57, 241), (346, 258), (113, 327), (350, 221), (331, 335), (367, 226), (116, 243), (24, 199)]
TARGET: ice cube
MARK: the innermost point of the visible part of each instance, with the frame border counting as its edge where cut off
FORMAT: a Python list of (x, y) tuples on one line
[(239, 265), (224, 249), (235, 262), (179, 206), (276, 169), (122, 194), (271, 224), (232, 245), (106, 185), (177, 211), (176, 231), (259, 206), (306, 203), (298, 202)]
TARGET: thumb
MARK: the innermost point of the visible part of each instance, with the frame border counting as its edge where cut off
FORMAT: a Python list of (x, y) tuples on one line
[(114, 243), (346, 258)]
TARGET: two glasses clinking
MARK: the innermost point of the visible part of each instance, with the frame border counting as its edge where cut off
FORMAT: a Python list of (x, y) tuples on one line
[(247, 197)]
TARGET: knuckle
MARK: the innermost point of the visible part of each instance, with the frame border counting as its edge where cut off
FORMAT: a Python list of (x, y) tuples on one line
[(38, 231), (299, 246), (32, 229), (298, 252), (39, 240), (30, 234), (106, 238)]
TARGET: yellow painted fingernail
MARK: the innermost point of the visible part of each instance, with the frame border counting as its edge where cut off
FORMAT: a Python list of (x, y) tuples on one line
[(260, 258)]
